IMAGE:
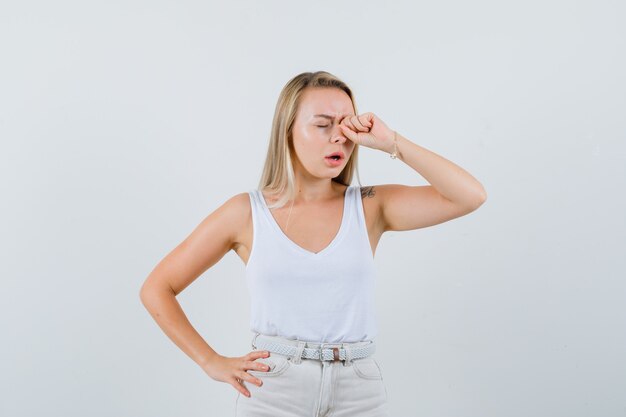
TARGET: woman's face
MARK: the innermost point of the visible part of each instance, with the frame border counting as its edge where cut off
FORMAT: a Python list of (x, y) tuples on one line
[(316, 132)]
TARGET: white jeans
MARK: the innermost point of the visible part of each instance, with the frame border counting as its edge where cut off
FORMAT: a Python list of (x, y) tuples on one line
[(314, 388)]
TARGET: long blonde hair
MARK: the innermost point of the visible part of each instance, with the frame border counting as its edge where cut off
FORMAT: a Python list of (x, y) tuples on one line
[(278, 176)]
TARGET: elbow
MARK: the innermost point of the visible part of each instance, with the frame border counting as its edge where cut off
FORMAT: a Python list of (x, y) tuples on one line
[(477, 201), (482, 197), (146, 288), (144, 294), (150, 292)]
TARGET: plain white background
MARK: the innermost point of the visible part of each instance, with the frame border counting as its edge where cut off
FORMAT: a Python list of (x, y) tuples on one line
[(124, 124)]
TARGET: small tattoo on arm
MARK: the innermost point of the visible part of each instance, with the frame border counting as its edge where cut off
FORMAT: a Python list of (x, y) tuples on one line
[(368, 191)]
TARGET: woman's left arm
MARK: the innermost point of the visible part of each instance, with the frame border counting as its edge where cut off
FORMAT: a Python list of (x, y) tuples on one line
[(449, 179), (453, 191)]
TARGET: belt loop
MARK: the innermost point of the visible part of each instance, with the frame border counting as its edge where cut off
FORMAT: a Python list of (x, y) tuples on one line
[(348, 359), (297, 356), (320, 354)]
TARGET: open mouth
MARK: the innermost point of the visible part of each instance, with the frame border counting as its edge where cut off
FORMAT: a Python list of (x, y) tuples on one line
[(335, 159), (336, 156)]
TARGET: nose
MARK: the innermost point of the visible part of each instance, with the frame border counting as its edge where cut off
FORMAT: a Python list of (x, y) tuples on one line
[(338, 136)]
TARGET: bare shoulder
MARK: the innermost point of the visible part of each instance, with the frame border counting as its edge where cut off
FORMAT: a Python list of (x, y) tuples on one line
[(370, 194), (226, 221), (240, 217), (372, 206), (210, 240), (368, 191)]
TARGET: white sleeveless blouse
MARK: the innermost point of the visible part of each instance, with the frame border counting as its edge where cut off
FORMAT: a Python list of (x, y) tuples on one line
[(323, 297)]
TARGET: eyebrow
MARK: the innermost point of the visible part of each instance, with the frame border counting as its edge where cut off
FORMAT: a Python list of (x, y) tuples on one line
[(327, 116)]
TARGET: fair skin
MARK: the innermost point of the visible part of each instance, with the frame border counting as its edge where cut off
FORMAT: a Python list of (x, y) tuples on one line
[(314, 220)]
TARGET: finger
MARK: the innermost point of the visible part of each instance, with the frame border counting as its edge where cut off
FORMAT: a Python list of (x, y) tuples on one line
[(256, 366), (359, 125), (349, 124), (250, 378), (257, 354), (350, 134), (239, 387), (367, 119)]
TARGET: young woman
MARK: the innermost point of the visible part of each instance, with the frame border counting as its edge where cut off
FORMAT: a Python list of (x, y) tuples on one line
[(308, 239)]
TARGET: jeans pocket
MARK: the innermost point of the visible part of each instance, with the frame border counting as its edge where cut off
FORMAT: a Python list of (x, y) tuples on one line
[(277, 362), (367, 368)]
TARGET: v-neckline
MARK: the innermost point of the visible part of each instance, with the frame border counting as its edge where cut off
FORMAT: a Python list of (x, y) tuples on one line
[(342, 226)]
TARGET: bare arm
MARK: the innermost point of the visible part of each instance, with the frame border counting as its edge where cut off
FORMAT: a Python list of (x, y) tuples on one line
[(208, 243), (167, 312), (453, 192), (204, 247)]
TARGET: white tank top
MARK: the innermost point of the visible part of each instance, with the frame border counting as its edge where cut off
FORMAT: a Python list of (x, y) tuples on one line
[(324, 297)]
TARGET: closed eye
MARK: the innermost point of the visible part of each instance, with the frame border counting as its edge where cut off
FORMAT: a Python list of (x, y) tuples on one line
[(322, 125)]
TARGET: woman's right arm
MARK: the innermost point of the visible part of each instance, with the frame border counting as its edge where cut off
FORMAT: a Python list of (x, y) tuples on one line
[(206, 245)]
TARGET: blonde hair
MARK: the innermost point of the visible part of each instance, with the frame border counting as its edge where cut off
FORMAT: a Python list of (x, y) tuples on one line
[(278, 176)]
